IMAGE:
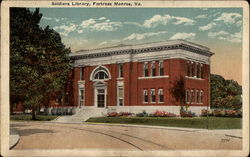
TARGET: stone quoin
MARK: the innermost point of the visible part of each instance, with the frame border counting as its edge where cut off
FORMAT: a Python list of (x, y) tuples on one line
[(136, 78)]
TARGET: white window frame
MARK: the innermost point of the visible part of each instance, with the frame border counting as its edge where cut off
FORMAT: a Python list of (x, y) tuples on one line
[(196, 96), (201, 96), (160, 91), (120, 70), (153, 67), (191, 96), (151, 95), (81, 97), (161, 66), (145, 93), (118, 94), (145, 66)]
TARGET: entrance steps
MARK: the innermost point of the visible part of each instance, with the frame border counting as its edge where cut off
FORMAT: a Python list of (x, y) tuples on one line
[(83, 114)]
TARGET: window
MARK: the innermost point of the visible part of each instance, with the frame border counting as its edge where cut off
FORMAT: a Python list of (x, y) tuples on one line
[(81, 97), (153, 69), (145, 67), (202, 71), (145, 96), (120, 96), (187, 96), (192, 96), (188, 68), (201, 96), (193, 69), (152, 93), (161, 68), (197, 96), (81, 73), (198, 70), (120, 70), (161, 95), (101, 75)]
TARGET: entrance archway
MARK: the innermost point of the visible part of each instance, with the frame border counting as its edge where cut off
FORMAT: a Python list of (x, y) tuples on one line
[(99, 75)]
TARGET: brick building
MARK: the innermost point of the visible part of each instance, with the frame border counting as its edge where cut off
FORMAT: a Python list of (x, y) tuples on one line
[(141, 77)]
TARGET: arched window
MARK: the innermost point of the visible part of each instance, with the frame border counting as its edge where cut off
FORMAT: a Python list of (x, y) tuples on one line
[(100, 74)]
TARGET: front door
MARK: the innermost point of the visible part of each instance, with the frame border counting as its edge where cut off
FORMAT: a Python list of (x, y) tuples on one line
[(100, 97)]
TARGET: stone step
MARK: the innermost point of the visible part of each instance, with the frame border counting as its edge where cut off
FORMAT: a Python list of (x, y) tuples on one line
[(83, 114)]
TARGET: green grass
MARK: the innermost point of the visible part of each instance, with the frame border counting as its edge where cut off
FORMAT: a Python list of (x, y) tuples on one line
[(28, 117), (197, 122)]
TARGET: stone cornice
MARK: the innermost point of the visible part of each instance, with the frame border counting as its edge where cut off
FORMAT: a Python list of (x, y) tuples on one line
[(143, 49)]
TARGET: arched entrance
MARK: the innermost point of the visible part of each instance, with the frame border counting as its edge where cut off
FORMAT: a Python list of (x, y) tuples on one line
[(99, 76)]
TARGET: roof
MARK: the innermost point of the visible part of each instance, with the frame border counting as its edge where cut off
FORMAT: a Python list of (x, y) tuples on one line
[(171, 44)]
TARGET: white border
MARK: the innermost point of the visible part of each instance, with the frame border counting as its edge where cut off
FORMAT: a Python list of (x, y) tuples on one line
[(77, 152)]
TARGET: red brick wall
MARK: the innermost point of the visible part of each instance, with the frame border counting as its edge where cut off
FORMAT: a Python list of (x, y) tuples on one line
[(133, 87)]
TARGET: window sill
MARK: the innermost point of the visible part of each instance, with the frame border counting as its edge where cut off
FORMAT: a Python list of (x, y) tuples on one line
[(194, 78), (119, 78), (152, 77)]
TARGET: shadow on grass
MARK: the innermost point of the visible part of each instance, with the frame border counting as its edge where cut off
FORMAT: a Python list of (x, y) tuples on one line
[(28, 132)]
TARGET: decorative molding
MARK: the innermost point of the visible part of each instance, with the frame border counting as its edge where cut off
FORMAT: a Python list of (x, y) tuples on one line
[(153, 77), (146, 48)]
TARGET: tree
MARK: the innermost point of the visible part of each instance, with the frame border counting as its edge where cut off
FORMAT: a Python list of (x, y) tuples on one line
[(178, 90), (225, 94), (39, 61)]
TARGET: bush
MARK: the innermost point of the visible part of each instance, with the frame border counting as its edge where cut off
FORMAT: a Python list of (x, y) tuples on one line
[(143, 114), (185, 113), (115, 114), (163, 114), (222, 113)]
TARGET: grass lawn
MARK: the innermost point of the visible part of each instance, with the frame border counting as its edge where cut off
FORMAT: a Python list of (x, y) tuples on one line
[(28, 117), (197, 122)]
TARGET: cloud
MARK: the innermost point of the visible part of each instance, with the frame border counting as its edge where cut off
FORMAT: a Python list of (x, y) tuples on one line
[(164, 19), (201, 16), (103, 43), (65, 29), (156, 20), (183, 36), (52, 19), (222, 35), (88, 23), (207, 27), (183, 20), (215, 34), (100, 25), (137, 36), (229, 18)]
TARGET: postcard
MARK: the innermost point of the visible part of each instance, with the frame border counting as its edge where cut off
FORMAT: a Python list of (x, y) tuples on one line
[(124, 78)]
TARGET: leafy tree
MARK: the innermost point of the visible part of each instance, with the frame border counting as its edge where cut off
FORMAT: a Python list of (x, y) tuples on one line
[(225, 93), (39, 61), (178, 90)]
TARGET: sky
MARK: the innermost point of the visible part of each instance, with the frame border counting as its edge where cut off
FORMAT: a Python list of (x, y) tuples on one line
[(220, 29)]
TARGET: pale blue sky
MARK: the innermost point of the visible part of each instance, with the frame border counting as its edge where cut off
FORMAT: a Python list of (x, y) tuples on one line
[(220, 29)]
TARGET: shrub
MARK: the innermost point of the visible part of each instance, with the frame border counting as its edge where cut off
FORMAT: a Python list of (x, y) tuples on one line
[(163, 114), (222, 113), (112, 114), (185, 113), (143, 114), (115, 114)]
